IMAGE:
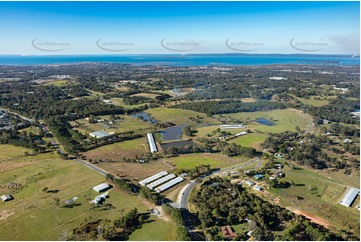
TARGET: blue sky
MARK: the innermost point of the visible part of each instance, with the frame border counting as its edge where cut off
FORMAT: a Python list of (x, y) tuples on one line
[(185, 27)]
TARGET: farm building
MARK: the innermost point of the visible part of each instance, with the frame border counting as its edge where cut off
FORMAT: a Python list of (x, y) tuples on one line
[(102, 187), (160, 181), (257, 188), (99, 134), (241, 134), (169, 184), (350, 196), (250, 183), (258, 176), (228, 232), (232, 126), (153, 178), (6, 197), (151, 141)]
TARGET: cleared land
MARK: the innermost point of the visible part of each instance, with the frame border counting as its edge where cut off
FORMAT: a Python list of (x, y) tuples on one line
[(189, 161), (126, 123), (149, 95), (60, 83), (34, 215), (178, 116), (319, 196), (250, 140), (284, 119), (136, 171), (119, 151), (316, 101)]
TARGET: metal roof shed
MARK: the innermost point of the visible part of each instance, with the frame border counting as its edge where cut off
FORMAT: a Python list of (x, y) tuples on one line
[(349, 197), (101, 187), (6, 197)]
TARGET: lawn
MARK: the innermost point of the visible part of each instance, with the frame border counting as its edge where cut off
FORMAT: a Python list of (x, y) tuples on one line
[(33, 214), (119, 150), (284, 119), (320, 197), (178, 116), (158, 230), (250, 140)]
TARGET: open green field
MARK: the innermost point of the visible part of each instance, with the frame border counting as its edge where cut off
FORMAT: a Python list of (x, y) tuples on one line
[(119, 150), (319, 196), (250, 140), (159, 230), (178, 116), (322, 101), (285, 119), (13, 157), (34, 215), (126, 123), (149, 95), (189, 161), (59, 83)]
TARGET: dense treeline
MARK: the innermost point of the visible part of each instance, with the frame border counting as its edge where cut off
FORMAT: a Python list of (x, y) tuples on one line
[(229, 106), (220, 203), (338, 110), (23, 139)]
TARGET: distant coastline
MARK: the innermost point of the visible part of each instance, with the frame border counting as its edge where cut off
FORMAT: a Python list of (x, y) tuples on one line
[(231, 59)]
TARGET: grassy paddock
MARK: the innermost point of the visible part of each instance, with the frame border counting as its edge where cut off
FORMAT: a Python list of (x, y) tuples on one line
[(285, 119), (178, 116), (34, 215), (320, 197), (251, 140), (120, 150)]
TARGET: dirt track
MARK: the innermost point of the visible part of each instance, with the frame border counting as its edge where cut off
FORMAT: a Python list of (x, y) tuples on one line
[(312, 217)]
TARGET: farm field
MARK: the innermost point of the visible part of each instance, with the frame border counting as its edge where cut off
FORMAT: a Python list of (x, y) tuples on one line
[(34, 215), (322, 101), (136, 171), (149, 95), (250, 140), (178, 116), (59, 83), (318, 196), (13, 157), (127, 123), (284, 119), (120, 150), (189, 161)]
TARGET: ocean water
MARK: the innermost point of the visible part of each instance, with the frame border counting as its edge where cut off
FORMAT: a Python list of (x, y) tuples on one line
[(184, 60)]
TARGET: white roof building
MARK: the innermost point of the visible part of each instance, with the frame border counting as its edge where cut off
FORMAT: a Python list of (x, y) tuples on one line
[(151, 141), (350, 196), (102, 187), (99, 134), (153, 178), (6, 197), (169, 184)]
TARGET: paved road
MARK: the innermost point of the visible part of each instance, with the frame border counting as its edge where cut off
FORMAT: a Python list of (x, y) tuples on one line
[(93, 167)]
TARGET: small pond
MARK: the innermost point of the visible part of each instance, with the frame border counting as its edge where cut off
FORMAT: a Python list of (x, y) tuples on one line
[(265, 122), (178, 144), (172, 133)]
